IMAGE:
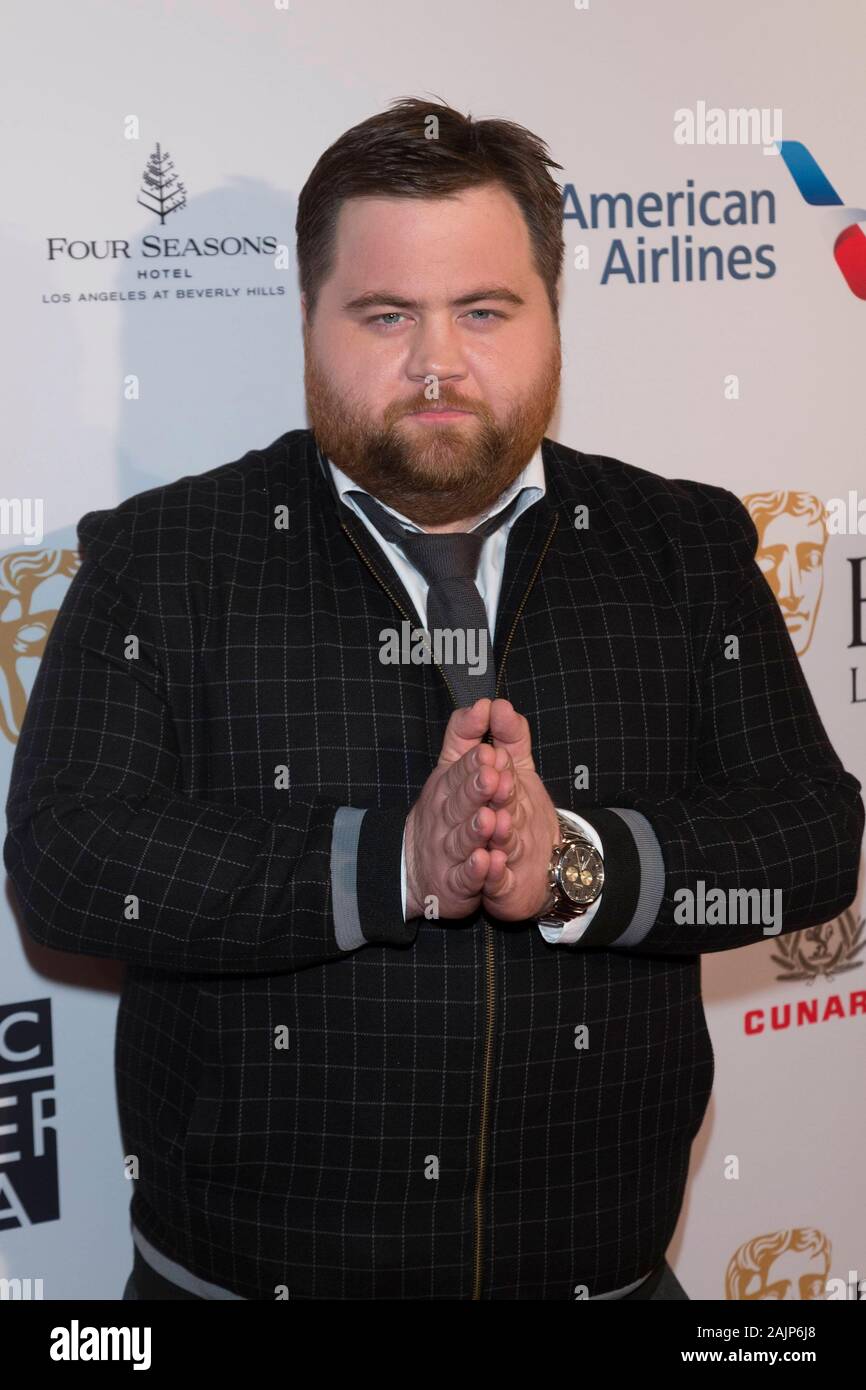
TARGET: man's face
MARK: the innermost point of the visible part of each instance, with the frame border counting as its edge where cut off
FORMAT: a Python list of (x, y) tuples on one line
[(368, 366)]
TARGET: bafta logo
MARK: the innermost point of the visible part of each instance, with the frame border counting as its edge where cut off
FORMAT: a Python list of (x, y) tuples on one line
[(783, 1265), (29, 602), (792, 534)]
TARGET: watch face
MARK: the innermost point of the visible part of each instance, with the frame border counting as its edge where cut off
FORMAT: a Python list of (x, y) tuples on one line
[(581, 873)]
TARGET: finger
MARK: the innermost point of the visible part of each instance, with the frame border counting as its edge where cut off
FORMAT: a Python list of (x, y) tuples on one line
[(500, 878), (505, 836), (476, 757), (465, 728), (464, 880), (506, 793), (469, 835), (469, 784), (496, 867), (511, 731)]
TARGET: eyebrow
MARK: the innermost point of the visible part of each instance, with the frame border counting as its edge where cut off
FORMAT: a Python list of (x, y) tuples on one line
[(500, 293)]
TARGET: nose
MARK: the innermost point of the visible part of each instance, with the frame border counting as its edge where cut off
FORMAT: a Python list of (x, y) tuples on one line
[(436, 352)]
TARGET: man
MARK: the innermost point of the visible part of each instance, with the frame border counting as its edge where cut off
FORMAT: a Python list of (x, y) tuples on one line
[(413, 1007)]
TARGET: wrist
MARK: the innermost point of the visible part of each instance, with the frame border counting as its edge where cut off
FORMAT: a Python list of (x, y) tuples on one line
[(550, 896), (414, 907)]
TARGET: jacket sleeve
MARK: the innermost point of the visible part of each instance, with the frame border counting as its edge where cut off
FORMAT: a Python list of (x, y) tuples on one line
[(767, 838), (109, 857)]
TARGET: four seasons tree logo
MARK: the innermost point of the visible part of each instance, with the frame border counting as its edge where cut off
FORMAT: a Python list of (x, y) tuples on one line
[(163, 190)]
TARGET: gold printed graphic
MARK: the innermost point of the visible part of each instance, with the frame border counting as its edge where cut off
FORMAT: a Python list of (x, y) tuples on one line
[(24, 623), (826, 950), (782, 1265), (792, 534)]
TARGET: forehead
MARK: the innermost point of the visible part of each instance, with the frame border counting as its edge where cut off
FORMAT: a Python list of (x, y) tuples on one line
[(412, 242)]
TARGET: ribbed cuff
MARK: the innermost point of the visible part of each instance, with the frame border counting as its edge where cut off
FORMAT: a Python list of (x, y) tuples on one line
[(652, 876), (622, 878), (380, 853)]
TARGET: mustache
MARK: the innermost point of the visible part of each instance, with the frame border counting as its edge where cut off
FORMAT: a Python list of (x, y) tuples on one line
[(442, 403)]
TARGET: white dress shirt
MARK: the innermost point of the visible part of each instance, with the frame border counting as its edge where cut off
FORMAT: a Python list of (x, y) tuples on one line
[(530, 483)]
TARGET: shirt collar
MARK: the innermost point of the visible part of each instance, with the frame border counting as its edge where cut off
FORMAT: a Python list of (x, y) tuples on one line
[(530, 480)]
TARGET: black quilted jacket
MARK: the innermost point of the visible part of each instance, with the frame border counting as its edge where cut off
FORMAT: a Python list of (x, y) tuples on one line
[(415, 1116)]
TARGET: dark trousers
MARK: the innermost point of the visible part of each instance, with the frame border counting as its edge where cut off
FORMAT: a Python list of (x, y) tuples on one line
[(145, 1283)]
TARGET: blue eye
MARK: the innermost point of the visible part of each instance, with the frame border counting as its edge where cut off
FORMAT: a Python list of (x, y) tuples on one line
[(378, 319)]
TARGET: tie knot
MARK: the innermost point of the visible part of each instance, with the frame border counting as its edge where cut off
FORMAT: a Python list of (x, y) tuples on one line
[(448, 555), (453, 555)]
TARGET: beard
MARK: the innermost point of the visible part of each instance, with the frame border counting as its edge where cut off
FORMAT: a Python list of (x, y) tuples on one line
[(433, 474)]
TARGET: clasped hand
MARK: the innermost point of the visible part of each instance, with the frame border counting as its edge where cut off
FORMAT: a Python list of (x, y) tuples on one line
[(482, 831)]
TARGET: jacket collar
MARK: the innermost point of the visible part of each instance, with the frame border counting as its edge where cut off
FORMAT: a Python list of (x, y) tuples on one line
[(528, 541), (530, 484)]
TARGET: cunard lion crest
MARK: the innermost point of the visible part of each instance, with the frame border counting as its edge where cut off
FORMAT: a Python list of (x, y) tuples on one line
[(826, 950)]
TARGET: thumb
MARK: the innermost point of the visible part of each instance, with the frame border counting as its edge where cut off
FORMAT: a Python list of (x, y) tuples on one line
[(510, 730), (466, 727)]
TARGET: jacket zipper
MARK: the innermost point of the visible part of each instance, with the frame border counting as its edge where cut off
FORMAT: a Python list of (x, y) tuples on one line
[(491, 959), (396, 602), (488, 929)]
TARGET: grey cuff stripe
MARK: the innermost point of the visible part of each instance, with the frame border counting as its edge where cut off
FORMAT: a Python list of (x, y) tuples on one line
[(344, 877), (652, 877), (176, 1273)]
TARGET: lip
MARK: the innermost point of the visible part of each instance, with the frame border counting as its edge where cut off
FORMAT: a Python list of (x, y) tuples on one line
[(439, 414)]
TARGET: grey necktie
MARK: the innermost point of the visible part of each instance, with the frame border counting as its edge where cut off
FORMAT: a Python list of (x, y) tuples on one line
[(449, 563)]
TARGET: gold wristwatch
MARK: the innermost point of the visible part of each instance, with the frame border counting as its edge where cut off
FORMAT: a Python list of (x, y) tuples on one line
[(575, 877)]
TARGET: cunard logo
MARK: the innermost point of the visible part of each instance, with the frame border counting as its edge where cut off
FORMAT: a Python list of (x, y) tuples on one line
[(827, 950)]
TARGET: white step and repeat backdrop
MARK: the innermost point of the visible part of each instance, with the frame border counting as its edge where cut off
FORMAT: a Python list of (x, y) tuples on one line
[(713, 324)]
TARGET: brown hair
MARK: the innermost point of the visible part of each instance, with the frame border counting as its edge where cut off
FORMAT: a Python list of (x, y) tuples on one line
[(390, 155)]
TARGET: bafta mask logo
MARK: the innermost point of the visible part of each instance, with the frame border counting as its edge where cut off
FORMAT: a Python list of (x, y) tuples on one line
[(792, 534), (785, 1264), (827, 950), (31, 590)]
